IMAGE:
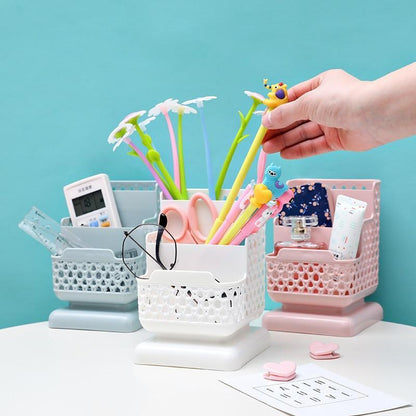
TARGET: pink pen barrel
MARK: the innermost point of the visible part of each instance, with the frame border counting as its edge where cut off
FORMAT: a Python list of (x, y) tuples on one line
[(152, 170), (250, 227), (284, 199), (232, 215), (256, 220), (261, 165)]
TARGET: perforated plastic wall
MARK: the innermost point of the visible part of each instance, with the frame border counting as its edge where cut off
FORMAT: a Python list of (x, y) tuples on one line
[(99, 277), (326, 281), (231, 303)]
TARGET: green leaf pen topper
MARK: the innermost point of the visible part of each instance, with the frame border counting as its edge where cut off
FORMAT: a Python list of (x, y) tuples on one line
[(239, 137)]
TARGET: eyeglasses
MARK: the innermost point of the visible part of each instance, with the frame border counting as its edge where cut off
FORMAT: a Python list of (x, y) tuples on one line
[(137, 235)]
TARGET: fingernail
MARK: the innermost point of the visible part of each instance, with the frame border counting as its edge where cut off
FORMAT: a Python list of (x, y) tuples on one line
[(266, 148)]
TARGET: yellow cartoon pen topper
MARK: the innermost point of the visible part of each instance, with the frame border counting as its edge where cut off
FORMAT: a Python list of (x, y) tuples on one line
[(277, 96)]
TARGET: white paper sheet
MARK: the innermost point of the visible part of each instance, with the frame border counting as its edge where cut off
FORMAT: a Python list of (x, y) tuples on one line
[(315, 392)]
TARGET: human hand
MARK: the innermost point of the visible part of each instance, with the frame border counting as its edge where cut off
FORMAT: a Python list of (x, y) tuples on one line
[(325, 113)]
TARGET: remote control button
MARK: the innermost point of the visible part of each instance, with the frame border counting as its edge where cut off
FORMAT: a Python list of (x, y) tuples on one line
[(105, 224), (94, 223), (104, 217)]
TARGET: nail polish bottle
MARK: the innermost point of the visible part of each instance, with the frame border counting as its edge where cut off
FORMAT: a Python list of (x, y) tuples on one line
[(300, 234)]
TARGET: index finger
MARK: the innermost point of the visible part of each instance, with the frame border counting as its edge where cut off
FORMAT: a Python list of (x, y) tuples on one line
[(272, 133), (302, 88)]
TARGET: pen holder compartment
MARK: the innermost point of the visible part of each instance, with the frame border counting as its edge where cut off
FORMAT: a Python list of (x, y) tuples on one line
[(213, 290), (137, 202), (312, 283), (101, 292)]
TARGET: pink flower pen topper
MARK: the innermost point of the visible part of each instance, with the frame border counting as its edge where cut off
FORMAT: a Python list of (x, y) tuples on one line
[(122, 134), (182, 109), (164, 108), (200, 105)]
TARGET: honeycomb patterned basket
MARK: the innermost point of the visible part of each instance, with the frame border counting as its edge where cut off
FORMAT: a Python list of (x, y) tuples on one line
[(95, 275), (315, 277), (212, 292)]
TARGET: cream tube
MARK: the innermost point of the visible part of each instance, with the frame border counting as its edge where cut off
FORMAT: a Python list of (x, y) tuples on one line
[(346, 229)]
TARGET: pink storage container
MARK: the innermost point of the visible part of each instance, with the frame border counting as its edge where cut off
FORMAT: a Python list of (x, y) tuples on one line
[(319, 294)]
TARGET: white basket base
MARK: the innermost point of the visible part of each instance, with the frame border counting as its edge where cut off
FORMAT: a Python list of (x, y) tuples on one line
[(227, 355), (342, 323), (96, 319)]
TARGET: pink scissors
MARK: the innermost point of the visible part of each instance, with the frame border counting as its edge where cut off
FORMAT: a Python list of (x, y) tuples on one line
[(184, 226)]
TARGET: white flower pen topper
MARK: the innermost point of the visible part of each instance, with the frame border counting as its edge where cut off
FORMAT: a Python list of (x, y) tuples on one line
[(153, 156), (119, 134), (164, 108), (181, 109), (200, 104), (122, 134)]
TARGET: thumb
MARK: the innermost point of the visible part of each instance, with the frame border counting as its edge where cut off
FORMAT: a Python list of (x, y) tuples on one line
[(286, 114)]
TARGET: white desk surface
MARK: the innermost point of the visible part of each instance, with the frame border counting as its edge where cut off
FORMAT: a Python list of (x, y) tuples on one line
[(47, 371)]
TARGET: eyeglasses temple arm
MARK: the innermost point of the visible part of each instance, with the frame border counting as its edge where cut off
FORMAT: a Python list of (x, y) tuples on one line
[(155, 260)]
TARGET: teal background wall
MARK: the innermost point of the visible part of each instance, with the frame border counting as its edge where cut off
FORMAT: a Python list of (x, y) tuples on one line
[(71, 70)]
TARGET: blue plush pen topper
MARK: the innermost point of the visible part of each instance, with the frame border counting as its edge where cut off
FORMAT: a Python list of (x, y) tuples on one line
[(271, 180), (259, 199)]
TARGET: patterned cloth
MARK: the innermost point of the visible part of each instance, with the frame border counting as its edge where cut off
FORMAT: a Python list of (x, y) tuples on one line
[(309, 199)]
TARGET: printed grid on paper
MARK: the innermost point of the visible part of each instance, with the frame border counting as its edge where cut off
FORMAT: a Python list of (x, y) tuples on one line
[(315, 391)]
